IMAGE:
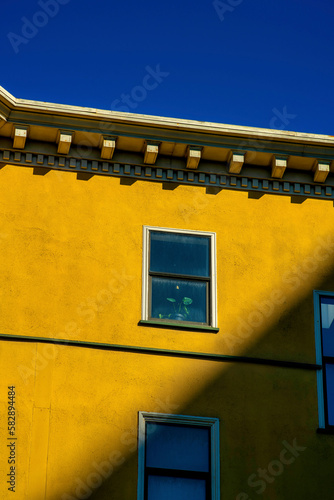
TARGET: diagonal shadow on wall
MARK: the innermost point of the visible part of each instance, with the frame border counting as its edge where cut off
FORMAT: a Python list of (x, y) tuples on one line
[(261, 407)]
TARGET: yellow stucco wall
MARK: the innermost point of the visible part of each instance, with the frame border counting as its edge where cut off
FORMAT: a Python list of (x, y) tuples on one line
[(71, 254)]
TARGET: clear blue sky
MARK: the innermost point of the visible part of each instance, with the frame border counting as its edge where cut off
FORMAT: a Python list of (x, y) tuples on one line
[(262, 63)]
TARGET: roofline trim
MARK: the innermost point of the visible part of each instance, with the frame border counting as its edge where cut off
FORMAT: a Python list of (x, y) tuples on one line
[(15, 104)]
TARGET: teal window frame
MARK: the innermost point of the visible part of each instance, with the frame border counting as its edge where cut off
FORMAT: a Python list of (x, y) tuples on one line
[(321, 360), (194, 421)]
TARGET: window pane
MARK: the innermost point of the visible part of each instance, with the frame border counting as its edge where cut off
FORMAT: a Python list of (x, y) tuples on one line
[(180, 254), (330, 392), (175, 488), (177, 447), (180, 300), (327, 323)]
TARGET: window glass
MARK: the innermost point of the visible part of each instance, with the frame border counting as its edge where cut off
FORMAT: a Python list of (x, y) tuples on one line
[(175, 488), (177, 253), (177, 447), (180, 300), (330, 393), (178, 457), (327, 325)]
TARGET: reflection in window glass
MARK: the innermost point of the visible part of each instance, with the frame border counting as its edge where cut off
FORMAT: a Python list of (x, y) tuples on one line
[(330, 393), (180, 254), (327, 324), (177, 447)]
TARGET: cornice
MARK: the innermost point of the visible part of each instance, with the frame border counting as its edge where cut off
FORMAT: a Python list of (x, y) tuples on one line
[(132, 131), (251, 181), (36, 129)]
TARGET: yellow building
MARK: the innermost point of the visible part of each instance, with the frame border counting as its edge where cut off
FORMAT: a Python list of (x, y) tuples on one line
[(166, 308)]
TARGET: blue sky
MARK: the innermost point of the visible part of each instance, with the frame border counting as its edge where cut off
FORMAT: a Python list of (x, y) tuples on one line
[(261, 63)]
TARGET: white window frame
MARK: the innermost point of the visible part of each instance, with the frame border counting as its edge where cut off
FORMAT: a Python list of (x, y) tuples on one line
[(211, 423), (213, 320)]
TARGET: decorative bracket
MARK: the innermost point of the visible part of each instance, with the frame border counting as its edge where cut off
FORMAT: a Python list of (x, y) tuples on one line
[(193, 157), (20, 137), (278, 166), (151, 153), (64, 141), (235, 162), (107, 145), (321, 171)]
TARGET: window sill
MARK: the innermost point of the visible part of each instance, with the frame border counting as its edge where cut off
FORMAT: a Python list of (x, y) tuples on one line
[(179, 326), (328, 430)]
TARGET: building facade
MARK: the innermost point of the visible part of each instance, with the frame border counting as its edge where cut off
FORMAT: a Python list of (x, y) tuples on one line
[(167, 307)]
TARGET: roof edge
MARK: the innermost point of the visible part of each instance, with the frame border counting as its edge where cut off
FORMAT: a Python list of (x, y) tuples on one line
[(15, 104)]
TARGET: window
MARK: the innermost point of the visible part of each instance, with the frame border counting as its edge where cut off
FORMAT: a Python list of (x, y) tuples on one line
[(324, 329), (178, 457), (179, 276)]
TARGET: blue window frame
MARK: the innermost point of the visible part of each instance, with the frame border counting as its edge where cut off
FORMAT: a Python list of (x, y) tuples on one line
[(324, 331), (179, 276), (178, 457)]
